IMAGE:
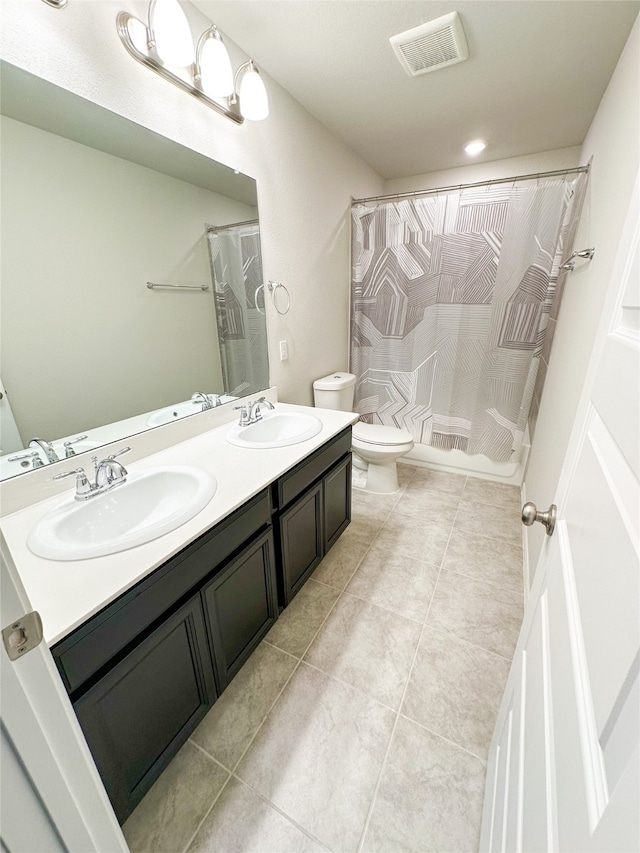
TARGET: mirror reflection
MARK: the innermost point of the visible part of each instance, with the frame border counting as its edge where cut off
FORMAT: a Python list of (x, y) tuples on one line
[(95, 209)]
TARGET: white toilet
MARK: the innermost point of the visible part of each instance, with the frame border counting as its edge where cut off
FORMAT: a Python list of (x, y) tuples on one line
[(375, 448)]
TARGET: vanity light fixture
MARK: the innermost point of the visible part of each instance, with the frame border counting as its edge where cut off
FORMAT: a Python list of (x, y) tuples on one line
[(475, 147), (253, 95), (165, 44)]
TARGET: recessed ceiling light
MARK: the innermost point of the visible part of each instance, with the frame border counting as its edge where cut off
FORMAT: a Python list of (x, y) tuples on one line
[(475, 147)]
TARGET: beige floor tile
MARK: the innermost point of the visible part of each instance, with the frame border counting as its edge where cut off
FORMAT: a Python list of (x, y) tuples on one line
[(361, 528), (406, 473), (170, 813), (242, 822), (414, 538), (498, 494), (318, 756), (430, 796), (368, 516), (487, 520), (342, 560), (298, 624), (484, 615), (238, 713), (364, 501), (491, 560), (395, 582), (427, 506), (455, 690), (368, 647), (424, 479)]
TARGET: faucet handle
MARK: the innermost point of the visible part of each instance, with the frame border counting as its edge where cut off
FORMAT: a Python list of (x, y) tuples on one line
[(119, 453), (65, 474), (244, 415), (82, 483), (68, 449)]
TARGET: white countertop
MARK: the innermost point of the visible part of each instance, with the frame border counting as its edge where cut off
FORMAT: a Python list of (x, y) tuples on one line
[(66, 594)]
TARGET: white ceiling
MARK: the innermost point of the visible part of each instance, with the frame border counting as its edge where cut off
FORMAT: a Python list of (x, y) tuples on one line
[(535, 74)]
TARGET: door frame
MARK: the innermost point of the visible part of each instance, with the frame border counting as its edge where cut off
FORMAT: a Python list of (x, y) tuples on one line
[(53, 757)]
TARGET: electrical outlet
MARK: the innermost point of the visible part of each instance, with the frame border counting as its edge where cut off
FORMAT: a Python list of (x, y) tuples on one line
[(284, 351)]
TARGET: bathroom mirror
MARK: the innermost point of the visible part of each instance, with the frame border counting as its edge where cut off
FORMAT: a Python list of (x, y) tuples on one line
[(94, 208)]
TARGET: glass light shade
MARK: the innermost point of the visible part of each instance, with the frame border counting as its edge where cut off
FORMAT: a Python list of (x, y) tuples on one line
[(254, 103), (172, 34), (216, 74)]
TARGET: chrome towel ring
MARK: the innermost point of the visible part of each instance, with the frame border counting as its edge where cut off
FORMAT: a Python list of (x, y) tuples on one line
[(259, 288), (273, 286)]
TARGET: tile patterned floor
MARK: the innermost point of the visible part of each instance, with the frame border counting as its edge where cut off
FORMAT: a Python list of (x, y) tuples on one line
[(362, 721)]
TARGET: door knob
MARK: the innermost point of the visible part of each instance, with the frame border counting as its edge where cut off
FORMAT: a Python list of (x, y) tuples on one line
[(530, 514)]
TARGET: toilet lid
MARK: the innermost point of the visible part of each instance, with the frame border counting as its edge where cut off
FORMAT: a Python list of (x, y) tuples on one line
[(376, 434)]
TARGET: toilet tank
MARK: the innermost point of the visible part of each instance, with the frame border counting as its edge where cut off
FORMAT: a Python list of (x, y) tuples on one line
[(335, 391)]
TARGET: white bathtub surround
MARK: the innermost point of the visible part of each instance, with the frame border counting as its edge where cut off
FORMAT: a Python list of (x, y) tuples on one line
[(476, 465), (66, 594), (362, 721)]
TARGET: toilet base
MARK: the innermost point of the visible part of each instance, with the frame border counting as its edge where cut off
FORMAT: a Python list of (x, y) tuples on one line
[(381, 478)]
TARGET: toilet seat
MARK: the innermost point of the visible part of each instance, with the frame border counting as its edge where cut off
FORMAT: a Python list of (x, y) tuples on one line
[(385, 436)]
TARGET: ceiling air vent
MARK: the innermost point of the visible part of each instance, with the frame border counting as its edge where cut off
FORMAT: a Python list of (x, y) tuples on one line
[(430, 46)]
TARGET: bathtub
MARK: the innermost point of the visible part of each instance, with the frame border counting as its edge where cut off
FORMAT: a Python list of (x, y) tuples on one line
[(459, 462)]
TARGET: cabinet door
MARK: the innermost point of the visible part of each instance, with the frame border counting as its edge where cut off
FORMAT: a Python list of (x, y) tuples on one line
[(139, 714), (301, 535), (241, 604), (337, 501)]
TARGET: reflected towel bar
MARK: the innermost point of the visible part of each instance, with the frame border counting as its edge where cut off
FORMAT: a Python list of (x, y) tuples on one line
[(151, 285)]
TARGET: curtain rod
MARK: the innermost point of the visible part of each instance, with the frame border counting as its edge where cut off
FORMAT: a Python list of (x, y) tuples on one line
[(564, 172), (216, 228)]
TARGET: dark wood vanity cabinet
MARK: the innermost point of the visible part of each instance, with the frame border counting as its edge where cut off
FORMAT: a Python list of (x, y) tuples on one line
[(313, 507), (144, 671), (137, 716)]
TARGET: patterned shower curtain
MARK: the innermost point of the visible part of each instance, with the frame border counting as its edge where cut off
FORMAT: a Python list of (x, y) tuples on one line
[(242, 332), (451, 295)]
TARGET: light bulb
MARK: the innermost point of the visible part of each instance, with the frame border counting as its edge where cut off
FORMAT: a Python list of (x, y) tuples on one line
[(254, 103), (475, 147), (216, 74), (172, 34)]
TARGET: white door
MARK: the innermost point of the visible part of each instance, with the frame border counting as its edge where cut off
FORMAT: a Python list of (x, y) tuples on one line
[(52, 796), (564, 765)]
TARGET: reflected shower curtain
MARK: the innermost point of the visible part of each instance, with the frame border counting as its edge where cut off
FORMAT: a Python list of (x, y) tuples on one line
[(451, 296), (242, 333)]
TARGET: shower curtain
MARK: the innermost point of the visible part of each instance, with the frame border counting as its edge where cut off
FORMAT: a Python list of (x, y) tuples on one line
[(242, 332), (451, 296)]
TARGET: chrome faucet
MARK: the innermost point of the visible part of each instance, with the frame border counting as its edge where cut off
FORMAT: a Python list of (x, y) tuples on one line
[(108, 475), (250, 413), (254, 409), (47, 449), (205, 399)]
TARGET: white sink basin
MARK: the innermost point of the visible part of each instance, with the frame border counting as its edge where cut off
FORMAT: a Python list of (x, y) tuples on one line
[(180, 410), (173, 413), (276, 429), (148, 505)]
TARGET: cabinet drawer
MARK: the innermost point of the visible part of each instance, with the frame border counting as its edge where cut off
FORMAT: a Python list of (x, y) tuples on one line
[(295, 481), (90, 647)]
